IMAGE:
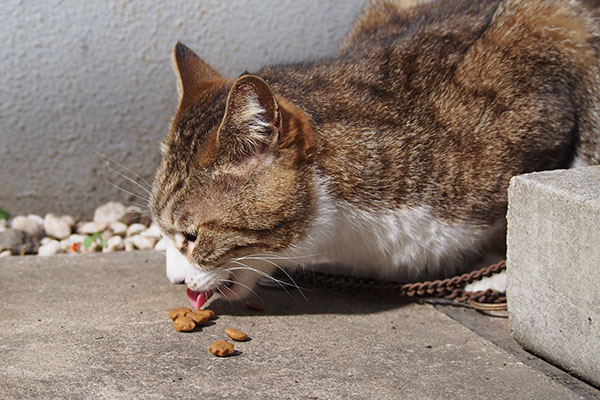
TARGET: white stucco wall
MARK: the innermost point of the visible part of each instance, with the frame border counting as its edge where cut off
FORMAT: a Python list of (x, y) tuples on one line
[(81, 77)]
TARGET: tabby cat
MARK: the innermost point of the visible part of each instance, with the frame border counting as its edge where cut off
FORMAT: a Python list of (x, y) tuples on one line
[(389, 160)]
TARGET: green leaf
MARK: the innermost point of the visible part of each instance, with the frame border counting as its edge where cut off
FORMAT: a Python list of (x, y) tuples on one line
[(3, 214), (94, 238)]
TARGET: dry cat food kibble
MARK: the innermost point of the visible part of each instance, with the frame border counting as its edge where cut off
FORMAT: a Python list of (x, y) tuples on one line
[(199, 316), (185, 320), (236, 334), (184, 324), (209, 313), (179, 312), (221, 348)]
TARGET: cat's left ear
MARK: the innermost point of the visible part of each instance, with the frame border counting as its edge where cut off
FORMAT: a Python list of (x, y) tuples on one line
[(196, 80), (252, 120)]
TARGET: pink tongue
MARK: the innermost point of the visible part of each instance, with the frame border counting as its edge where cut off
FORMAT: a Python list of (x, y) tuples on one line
[(197, 299)]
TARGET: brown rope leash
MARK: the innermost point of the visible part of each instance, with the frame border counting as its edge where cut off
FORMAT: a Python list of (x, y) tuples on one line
[(449, 288)]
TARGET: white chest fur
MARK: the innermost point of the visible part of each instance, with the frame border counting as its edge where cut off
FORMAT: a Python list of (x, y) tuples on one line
[(401, 244)]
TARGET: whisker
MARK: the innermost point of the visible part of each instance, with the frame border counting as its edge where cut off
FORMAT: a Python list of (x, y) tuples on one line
[(128, 178), (294, 284), (269, 258), (126, 191), (223, 294), (144, 209), (281, 283), (257, 271), (241, 284), (276, 256), (129, 170)]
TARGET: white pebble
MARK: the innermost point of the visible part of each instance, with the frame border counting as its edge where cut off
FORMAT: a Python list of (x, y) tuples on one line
[(37, 218), (152, 231), (135, 229), (5, 253), (28, 225), (92, 227), (3, 225), (66, 244), (161, 245), (143, 242), (56, 227), (46, 240), (76, 237), (109, 212), (114, 243), (118, 228), (68, 219), (49, 249), (128, 242)]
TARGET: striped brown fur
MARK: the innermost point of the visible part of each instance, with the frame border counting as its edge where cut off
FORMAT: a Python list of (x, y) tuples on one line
[(425, 104)]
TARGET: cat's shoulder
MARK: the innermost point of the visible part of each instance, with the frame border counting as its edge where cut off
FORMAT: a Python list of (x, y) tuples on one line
[(382, 19), (389, 18)]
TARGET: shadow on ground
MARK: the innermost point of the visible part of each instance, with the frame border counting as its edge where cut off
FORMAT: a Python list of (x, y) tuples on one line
[(309, 301)]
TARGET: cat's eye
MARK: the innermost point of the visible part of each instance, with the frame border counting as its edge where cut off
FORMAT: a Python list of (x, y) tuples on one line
[(190, 237)]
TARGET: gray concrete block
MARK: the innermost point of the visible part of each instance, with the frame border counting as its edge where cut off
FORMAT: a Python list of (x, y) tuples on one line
[(554, 267)]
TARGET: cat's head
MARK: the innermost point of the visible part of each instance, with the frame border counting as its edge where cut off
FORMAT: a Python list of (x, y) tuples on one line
[(234, 181)]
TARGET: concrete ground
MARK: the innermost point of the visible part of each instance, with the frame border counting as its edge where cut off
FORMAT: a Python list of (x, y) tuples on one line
[(96, 326)]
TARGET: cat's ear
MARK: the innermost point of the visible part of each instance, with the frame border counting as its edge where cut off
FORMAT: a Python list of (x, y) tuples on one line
[(252, 120), (194, 76)]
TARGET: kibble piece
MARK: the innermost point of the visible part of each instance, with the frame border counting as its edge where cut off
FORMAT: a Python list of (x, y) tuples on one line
[(221, 348), (236, 334), (184, 324), (179, 312), (254, 306), (199, 317), (211, 314)]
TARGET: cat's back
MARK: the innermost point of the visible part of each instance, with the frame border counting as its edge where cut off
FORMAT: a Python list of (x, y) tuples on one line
[(389, 23), (401, 52), (445, 101)]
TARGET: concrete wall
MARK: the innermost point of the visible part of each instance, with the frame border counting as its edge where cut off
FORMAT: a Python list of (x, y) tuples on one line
[(80, 78), (552, 267)]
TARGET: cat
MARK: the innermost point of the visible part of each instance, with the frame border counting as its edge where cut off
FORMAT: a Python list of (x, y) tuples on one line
[(390, 159)]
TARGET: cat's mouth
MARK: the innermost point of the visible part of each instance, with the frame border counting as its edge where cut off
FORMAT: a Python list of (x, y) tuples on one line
[(198, 298), (231, 283)]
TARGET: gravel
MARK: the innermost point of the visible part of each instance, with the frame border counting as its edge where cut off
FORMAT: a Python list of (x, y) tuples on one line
[(29, 225), (18, 242), (114, 227), (56, 227)]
